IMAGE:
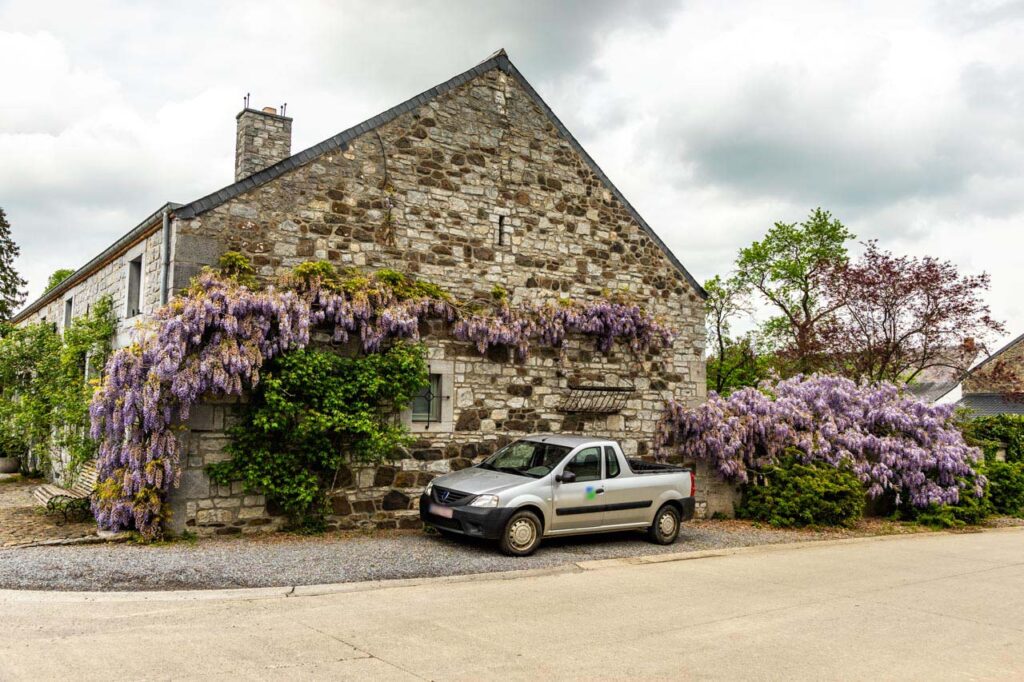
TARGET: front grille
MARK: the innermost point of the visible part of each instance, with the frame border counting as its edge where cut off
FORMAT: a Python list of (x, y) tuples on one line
[(448, 496)]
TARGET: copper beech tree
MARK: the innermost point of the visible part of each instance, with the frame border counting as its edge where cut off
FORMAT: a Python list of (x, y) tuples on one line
[(896, 316)]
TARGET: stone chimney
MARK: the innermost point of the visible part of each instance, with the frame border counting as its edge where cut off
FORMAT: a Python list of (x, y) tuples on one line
[(263, 138)]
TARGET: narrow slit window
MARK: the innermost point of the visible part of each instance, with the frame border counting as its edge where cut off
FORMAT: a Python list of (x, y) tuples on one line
[(501, 230), (134, 287), (69, 309), (426, 407)]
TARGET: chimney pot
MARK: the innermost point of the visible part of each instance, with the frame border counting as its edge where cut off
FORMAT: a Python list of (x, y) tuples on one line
[(262, 139)]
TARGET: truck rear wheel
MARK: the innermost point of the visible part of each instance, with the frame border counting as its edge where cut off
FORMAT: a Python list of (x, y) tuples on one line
[(521, 536), (665, 528)]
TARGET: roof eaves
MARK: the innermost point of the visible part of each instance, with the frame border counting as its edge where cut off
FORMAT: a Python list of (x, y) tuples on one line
[(83, 272)]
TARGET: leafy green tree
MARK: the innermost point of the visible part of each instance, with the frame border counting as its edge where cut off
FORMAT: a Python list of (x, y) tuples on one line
[(732, 363), (45, 386), (790, 268), (12, 286), (57, 277)]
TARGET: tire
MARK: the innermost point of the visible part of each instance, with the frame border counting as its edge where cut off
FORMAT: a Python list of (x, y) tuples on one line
[(665, 528), (521, 535)]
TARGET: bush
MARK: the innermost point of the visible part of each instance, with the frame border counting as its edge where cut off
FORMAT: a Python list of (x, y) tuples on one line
[(1006, 487), (314, 413), (799, 494)]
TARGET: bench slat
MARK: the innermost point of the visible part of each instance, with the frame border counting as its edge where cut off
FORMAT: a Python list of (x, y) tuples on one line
[(83, 486)]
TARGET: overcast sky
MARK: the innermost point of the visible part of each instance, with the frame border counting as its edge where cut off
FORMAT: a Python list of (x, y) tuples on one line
[(905, 119)]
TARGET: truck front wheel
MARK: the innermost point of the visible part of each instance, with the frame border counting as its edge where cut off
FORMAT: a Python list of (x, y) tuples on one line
[(521, 536), (665, 528)]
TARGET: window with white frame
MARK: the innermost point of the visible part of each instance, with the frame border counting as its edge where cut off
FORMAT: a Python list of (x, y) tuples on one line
[(431, 409), (69, 309), (426, 407), (134, 306)]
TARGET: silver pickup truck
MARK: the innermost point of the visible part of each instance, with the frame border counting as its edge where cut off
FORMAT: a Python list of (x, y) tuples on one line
[(546, 485)]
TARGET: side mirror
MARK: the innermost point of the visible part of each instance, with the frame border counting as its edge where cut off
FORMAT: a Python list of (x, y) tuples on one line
[(566, 477)]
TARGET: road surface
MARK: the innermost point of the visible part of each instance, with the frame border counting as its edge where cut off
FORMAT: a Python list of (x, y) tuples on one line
[(931, 607)]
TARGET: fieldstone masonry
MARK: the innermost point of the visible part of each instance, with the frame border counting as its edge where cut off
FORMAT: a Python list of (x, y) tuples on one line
[(262, 139), (475, 188)]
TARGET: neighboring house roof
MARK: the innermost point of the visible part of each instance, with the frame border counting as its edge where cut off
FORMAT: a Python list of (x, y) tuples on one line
[(934, 382), (995, 355), (981, 364), (988, 404), (499, 60)]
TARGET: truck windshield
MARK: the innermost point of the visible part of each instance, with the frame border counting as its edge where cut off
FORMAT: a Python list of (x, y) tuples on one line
[(526, 458)]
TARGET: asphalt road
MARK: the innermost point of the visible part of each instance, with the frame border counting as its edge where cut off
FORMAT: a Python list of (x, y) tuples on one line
[(932, 606)]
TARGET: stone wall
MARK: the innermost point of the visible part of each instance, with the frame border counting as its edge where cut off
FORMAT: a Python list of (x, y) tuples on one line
[(262, 138), (474, 189), (1003, 373)]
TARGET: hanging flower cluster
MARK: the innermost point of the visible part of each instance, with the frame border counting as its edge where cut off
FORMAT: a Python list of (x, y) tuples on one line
[(891, 441), (213, 341)]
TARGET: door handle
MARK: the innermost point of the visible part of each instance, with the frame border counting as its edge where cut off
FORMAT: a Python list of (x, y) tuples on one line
[(599, 491)]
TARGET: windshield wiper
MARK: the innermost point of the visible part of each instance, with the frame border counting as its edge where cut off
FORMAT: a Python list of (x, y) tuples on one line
[(485, 465)]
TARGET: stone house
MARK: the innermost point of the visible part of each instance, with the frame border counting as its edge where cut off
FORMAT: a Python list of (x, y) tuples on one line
[(994, 385), (472, 183)]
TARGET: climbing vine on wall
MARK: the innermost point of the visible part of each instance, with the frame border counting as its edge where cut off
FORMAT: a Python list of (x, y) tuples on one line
[(314, 412), (214, 340)]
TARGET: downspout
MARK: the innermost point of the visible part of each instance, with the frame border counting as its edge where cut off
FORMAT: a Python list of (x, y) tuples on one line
[(165, 265)]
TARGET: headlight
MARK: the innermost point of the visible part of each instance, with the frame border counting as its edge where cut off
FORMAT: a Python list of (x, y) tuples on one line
[(429, 489), (484, 501)]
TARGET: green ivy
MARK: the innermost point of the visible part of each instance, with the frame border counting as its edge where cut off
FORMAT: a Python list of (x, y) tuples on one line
[(994, 432), (46, 382), (796, 494), (314, 413)]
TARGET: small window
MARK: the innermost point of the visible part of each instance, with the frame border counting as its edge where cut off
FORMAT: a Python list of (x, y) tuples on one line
[(134, 287), (586, 464), (611, 462), (69, 309), (426, 407), (501, 230)]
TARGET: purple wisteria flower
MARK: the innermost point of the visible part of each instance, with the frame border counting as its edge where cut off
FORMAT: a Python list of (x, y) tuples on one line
[(892, 441)]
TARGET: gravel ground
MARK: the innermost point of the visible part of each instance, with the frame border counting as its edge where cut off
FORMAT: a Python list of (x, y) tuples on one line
[(282, 559)]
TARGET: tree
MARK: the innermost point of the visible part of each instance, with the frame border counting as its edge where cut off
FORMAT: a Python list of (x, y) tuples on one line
[(57, 277), (791, 268), (12, 293), (901, 315), (732, 363)]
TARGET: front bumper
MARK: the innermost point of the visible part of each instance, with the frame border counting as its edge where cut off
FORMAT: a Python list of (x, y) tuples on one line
[(477, 522)]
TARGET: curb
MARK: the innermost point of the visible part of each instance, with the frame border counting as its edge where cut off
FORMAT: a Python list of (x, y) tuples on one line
[(8, 596)]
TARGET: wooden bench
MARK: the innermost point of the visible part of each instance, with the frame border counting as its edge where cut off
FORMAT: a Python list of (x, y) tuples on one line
[(68, 500)]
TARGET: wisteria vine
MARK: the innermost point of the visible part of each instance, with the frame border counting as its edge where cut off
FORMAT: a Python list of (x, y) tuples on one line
[(212, 342), (893, 442)]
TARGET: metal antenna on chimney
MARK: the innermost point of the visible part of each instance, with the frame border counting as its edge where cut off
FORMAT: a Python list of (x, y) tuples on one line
[(246, 100), (284, 107)]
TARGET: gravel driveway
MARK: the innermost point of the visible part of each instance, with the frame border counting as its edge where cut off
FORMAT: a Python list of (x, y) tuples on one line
[(282, 559)]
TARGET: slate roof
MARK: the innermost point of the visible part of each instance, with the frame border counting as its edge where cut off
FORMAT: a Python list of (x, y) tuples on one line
[(989, 404), (499, 60)]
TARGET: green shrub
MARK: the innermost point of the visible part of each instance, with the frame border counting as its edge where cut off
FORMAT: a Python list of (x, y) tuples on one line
[(797, 494), (996, 431), (1005, 487), (314, 413)]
